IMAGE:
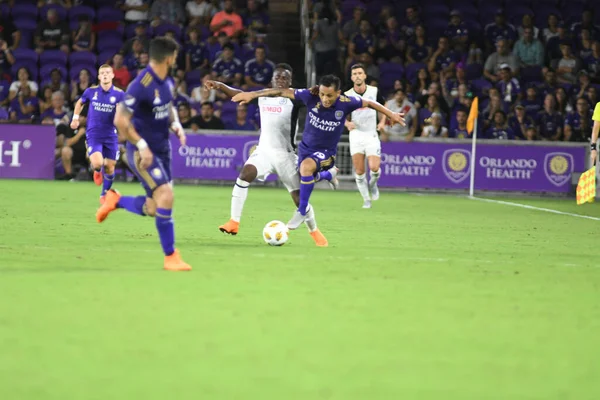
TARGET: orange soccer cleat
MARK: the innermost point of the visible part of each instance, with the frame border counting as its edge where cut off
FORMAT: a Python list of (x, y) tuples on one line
[(98, 178), (319, 238), (175, 263), (102, 199), (111, 199), (231, 227)]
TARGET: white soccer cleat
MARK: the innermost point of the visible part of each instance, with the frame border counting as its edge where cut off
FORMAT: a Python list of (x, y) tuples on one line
[(367, 204), (374, 192), (334, 182), (297, 220)]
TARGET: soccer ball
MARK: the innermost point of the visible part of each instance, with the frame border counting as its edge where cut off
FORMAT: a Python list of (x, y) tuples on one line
[(276, 233)]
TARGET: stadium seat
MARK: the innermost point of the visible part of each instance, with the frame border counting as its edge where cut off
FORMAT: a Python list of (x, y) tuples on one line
[(24, 11), (4, 10), (26, 24), (412, 71), (193, 78), (31, 67), (79, 11), (82, 57), (109, 14), (60, 11), (74, 71), (162, 29), (54, 57), (473, 71), (27, 55), (479, 85), (105, 57), (46, 70)]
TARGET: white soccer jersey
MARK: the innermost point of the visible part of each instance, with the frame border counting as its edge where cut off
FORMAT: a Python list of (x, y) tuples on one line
[(365, 118), (278, 121)]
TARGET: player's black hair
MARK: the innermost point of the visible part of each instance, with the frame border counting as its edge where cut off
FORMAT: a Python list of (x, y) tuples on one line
[(358, 66), (162, 47), (330, 81), (284, 66)]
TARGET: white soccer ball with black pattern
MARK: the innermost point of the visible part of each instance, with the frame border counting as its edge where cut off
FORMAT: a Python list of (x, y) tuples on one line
[(276, 233)]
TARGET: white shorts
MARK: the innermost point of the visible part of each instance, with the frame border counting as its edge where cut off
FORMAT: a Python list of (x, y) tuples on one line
[(365, 143), (280, 162)]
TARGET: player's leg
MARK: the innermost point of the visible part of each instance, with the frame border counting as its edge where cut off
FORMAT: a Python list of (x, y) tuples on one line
[(111, 154), (374, 160), (358, 161), (309, 166), (94, 148), (66, 155)]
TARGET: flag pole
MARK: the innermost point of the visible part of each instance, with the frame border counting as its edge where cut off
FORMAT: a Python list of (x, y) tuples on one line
[(473, 158)]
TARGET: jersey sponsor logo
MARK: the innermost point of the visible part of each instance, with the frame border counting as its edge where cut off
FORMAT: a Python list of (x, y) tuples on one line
[(103, 107), (272, 109), (161, 112), (322, 124)]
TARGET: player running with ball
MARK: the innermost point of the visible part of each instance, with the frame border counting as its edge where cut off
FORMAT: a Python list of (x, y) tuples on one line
[(324, 125), (101, 136), (274, 153), (364, 140)]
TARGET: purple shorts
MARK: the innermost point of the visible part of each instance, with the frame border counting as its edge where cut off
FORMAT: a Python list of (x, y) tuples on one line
[(158, 174), (109, 148), (325, 159)]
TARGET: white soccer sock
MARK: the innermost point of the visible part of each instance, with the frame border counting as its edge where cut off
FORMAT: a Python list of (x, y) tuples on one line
[(361, 182), (375, 177), (311, 219), (238, 198)]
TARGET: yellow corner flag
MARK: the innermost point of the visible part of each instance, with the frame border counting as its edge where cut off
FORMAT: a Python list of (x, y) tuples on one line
[(586, 187), (473, 114)]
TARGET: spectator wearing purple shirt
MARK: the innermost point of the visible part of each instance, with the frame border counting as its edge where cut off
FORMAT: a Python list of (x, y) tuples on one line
[(362, 42), (196, 54), (549, 120), (413, 19), (227, 68), (418, 50), (443, 60), (241, 121), (520, 122), (6, 60), (4, 91), (457, 32), (57, 112), (509, 87), (500, 129), (83, 38), (531, 102), (24, 107), (391, 42), (499, 29), (255, 18), (578, 124), (592, 63), (258, 71)]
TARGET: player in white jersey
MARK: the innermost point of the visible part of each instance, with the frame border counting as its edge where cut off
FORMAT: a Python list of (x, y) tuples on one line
[(364, 140), (274, 154)]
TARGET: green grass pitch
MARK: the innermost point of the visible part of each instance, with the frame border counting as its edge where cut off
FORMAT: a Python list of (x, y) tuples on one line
[(421, 297)]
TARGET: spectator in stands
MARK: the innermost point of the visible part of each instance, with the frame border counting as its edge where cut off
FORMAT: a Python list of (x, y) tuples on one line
[(584, 46), (413, 18), (83, 38), (207, 119), (180, 94), (352, 27), (83, 82), (362, 42), (563, 105), (196, 54), (57, 83), (491, 70), (4, 102), (531, 133), (520, 121), (418, 50), (185, 115), (24, 108), (141, 35), (550, 84), (200, 12), (227, 21), (435, 128), (509, 87), (325, 43), (22, 80), (498, 30), (135, 10), (259, 70), (52, 34), (71, 145), (499, 129), (578, 124), (551, 30), (57, 112), (397, 132), (421, 86), (228, 69), (568, 66), (45, 99), (431, 106), (592, 63), (381, 25), (457, 32), (9, 32), (132, 59), (489, 112), (531, 102), (529, 50), (460, 131), (587, 22), (6, 60), (241, 121), (452, 85), (371, 69), (167, 11), (527, 23), (255, 18), (201, 94), (553, 52), (443, 60), (122, 75), (592, 95), (390, 43), (62, 3), (549, 120)]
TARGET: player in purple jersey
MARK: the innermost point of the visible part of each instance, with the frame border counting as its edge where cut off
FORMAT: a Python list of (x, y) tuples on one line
[(101, 137), (144, 118), (323, 128)]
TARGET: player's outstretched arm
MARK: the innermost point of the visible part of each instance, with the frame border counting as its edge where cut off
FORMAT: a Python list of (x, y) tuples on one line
[(395, 118), (176, 126), (228, 90), (246, 97), (76, 112)]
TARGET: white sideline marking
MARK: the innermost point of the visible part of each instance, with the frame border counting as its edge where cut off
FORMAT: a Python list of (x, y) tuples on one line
[(549, 210)]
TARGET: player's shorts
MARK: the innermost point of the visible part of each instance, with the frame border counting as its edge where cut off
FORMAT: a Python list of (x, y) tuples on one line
[(158, 174), (365, 143), (108, 147), (325, 159), (280, 162)]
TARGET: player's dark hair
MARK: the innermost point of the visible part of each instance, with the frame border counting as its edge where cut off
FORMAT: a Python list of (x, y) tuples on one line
[(358, 66), (162, 47), (284, 66), (330, 81)]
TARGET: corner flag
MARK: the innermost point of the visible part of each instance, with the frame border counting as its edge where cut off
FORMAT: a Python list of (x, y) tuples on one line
[(473, 114), (586, 187)]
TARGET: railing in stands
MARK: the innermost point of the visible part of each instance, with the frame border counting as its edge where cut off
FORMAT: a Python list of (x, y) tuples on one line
[(309, 62)]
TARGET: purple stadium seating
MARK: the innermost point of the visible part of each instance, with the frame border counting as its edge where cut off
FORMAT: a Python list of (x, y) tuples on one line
[(25, 55), (109, 14), (74, 71), (31, 67), (130, 31), (412, 70), (54, 57), (25, 24), (82, 57), (105, 57), (4, 10), (193, 78), (61, 11), (78, 11), (479, 85), (162, 29), (46, 70), (473, 71), (24, 11)]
